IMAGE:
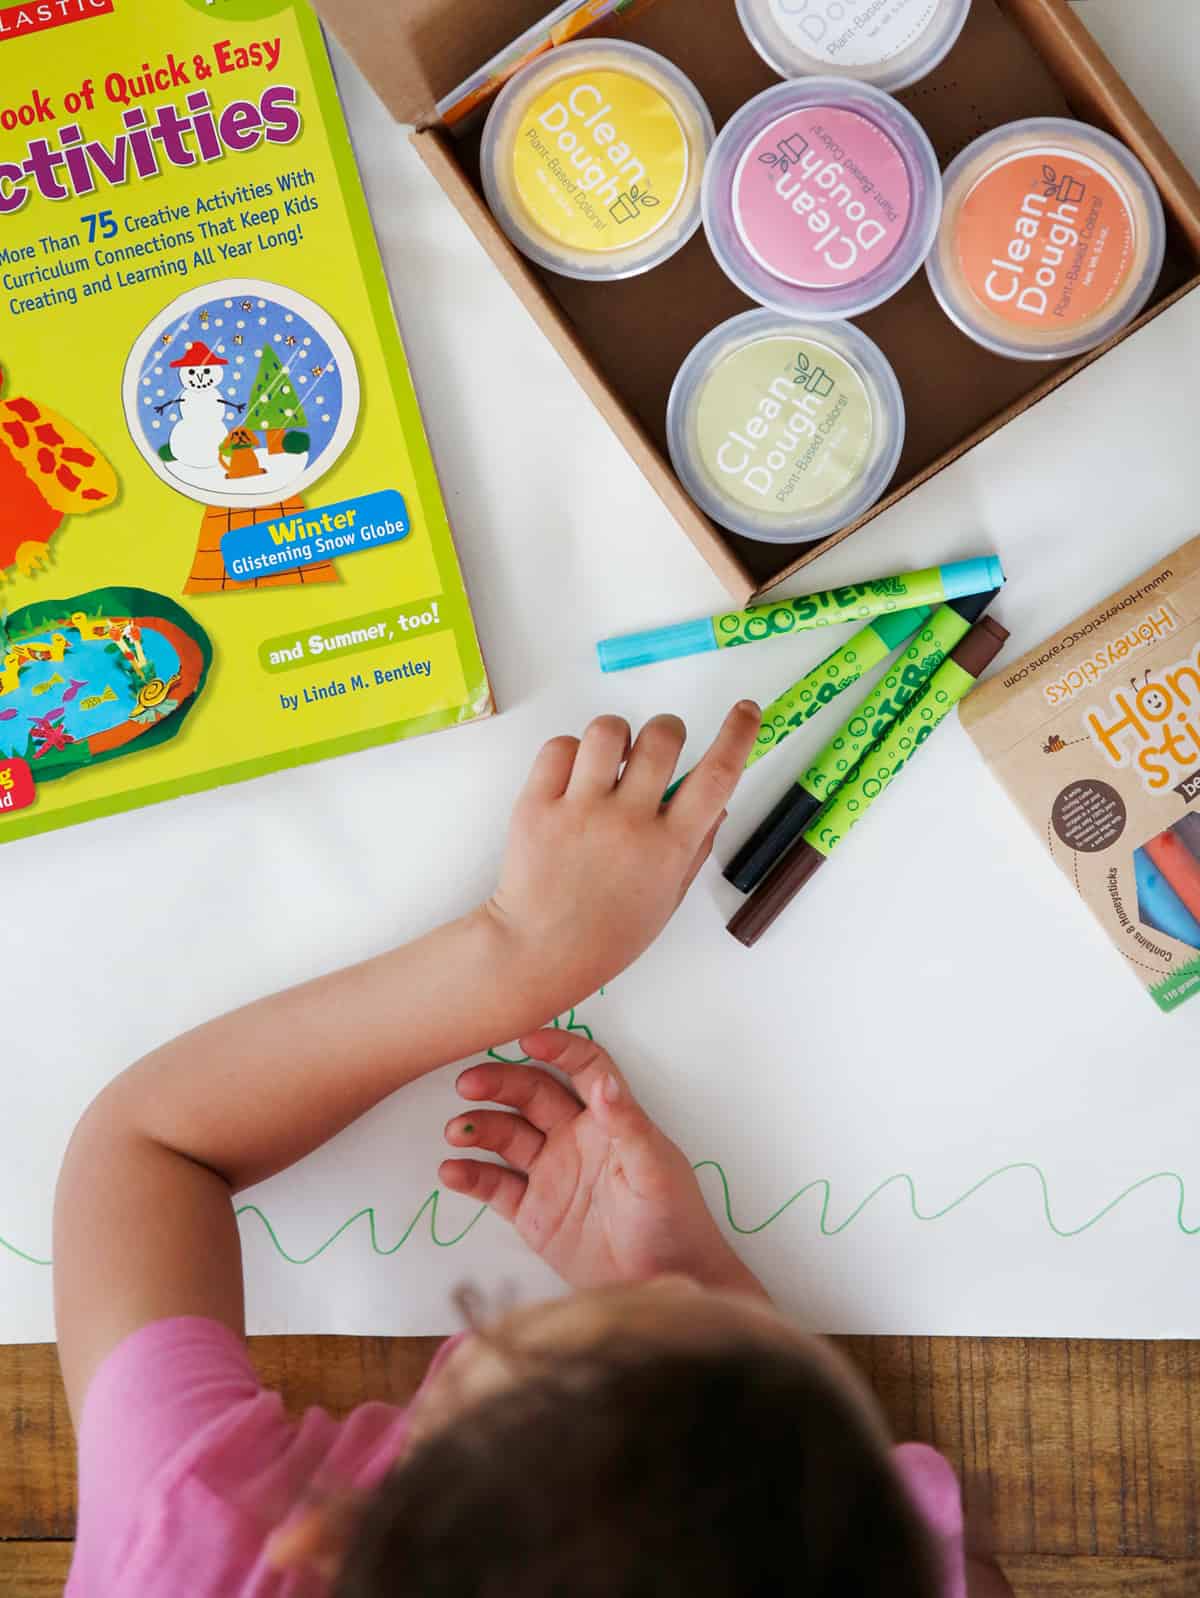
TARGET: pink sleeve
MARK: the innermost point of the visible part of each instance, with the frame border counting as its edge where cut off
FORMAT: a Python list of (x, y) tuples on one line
[(151, 1411), (187, 1465), (155, 1392)]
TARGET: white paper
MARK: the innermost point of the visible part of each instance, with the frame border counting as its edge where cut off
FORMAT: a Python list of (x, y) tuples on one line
[(937, 1008)]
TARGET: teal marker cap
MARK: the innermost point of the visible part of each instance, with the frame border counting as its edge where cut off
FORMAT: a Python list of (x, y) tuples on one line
[(963, 577), (664, 643), (898, 626)]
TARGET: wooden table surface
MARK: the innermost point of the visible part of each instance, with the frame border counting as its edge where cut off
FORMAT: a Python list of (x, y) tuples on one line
[(1082, 1458)]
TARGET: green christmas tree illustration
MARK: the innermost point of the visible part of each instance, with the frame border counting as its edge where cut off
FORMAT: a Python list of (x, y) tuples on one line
[(274, 406)]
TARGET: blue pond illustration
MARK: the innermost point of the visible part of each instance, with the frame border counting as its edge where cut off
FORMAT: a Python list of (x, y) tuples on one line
[(83, 689)]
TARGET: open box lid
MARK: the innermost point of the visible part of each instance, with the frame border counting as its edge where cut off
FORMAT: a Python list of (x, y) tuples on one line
[(415, 52)]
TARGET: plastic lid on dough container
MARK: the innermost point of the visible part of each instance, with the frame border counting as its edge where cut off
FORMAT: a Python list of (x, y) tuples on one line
[(1052, 239), (822, 197), (785, 430), (889, 43), (593, 158)]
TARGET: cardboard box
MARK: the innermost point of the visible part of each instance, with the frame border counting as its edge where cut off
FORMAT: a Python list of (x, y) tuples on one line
[(625, 341), (1096, 736)]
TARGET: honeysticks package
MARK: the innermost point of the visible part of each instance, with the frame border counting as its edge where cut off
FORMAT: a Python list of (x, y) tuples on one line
[(223, 548), (1096, 736)]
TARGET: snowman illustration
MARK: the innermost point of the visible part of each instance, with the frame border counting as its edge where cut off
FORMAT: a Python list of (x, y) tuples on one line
[(197, 436), (241, 395)]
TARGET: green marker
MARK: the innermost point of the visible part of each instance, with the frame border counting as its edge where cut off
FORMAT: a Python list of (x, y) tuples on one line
[(822, 685), (875, 772), (856, 602), (813, 788), (833, 676), (879, 768)]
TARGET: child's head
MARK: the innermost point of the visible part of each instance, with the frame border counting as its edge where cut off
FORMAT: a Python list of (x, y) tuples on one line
[(651, 1440)]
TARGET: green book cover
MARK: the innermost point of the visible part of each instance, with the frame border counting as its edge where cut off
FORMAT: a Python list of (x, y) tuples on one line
[(223, 548)]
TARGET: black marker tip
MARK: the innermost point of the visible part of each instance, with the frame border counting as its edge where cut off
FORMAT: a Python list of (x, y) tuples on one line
[(972, 606)]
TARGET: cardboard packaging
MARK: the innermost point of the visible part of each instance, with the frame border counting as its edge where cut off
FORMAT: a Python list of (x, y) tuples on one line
[(626, 341), (1096, 736)]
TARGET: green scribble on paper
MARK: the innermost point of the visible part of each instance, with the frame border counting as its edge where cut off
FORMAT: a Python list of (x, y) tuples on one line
[(902, 1178), (827, 1229)]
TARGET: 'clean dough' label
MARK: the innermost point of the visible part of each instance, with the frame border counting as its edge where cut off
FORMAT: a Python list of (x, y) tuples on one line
[(854, 33), (1046, 239), (784, 426), (822, 197), (601, 161)]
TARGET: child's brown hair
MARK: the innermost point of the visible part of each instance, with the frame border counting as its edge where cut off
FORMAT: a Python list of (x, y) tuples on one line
[(738, 1473)]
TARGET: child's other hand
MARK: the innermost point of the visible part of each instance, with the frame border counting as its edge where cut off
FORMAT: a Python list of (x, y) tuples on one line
[(596, 864), (589, 1182)]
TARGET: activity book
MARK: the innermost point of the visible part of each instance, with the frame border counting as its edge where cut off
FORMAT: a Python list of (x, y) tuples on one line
[(223, 548)]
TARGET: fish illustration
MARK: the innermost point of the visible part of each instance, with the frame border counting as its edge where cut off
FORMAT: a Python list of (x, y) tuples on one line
[(93, 701), (51, 682), (73, 691)]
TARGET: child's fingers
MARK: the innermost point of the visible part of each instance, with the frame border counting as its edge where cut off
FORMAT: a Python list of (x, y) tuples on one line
[(707, 790), (551, 771), (540, 1099), (509, 1136), (602, 753), (652, 763), (584, 1061), (494, 1185)]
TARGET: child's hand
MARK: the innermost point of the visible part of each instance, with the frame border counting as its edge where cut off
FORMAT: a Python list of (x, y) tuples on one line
[(590, 1182), (596, 864)]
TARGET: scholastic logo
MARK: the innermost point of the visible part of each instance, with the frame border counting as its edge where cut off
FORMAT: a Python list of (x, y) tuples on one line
[(18, 21)]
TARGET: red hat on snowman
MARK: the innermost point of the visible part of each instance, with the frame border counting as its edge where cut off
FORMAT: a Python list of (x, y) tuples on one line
[(199, 354)]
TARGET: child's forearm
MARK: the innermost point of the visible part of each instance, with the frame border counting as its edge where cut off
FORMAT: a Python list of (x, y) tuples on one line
[(595, 868), (251, 1093)]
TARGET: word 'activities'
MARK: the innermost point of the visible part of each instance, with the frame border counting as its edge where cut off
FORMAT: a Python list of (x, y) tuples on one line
[(223, 548)]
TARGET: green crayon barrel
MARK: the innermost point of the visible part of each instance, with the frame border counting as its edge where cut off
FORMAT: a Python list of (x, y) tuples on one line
[(837, 672), (833, 608), (949, 684), (887, 704)]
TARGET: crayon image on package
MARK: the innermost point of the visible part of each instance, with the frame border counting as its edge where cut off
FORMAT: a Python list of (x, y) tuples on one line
[(1095, 734)]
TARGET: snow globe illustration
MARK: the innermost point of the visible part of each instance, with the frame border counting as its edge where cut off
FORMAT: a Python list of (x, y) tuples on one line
[(241, 394)]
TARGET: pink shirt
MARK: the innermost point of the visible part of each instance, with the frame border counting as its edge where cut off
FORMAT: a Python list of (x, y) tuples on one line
[(187, 1465)]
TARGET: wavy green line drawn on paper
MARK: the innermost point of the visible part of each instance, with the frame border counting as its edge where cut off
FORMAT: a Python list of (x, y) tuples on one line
[(902, 1177), (430, 1209), (30, 1259)]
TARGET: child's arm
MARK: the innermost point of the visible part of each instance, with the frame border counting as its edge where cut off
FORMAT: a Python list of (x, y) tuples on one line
[(144, 1228)]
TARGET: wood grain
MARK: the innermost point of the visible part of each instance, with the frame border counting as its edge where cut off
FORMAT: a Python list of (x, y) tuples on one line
[(1084, 1577), (39, 1569), (1079, 1460)]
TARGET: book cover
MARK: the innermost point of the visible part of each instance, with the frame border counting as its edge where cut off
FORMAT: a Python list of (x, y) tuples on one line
[(223, 548)]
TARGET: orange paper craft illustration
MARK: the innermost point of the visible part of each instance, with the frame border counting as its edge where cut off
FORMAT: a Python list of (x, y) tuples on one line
[(48, 471)]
